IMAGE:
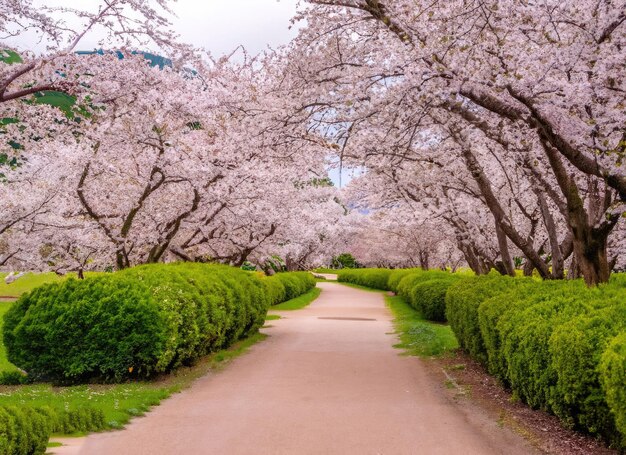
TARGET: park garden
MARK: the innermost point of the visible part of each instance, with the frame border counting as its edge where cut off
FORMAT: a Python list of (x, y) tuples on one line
[(157, 200)]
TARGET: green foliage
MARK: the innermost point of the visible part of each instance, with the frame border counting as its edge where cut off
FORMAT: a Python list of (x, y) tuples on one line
[(344, 261), (10, 57), (134, 323), (13, 377), (462, 301), (417, 336), (526, 331), (613, 378), (24, 430), (576, 349), (248, 266), (408, 282), (548, 342), (430, 297), (299, 302), (288, 285), (396, 276), (275, 290), (275, 263), (5, 366), (371, 278)]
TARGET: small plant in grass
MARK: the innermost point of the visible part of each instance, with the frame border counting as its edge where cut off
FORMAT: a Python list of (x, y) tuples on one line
[(418, 336)]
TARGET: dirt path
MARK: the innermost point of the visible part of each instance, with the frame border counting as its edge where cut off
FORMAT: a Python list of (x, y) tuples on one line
[(326, 381)]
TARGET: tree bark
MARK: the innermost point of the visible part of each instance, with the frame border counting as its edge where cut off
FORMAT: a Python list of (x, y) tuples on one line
[(589, 241), (555, 247), (503, 244)]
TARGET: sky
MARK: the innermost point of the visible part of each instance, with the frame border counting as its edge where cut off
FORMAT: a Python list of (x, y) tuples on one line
[(221, 26), (217, 25)]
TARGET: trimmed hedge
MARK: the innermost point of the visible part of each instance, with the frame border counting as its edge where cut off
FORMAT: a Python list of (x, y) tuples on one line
[(430, 297), (396, 276), (371, 278), (552, 343), (288, 285), (26, 430), (410, 284), (462, 301), (138, 322), (612, 371)]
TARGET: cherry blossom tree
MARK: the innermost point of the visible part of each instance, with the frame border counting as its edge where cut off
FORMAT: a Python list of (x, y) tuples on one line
[(123, 24), (458, 66)]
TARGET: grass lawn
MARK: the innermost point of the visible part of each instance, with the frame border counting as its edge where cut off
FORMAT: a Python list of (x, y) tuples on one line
[(121, 402), (417, 336), (31, 280), (299, 302)]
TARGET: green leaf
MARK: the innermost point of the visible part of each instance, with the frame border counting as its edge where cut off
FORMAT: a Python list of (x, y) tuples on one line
[(8, 121), (10, 57), (61, 100)]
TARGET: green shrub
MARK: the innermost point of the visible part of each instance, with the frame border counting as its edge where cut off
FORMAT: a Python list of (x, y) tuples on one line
[(344, 261), (429, 297), (545, 340), (405, 283), (294, 283), (13, 378), (462, 301), (612, 371), (371, 278), (396, 276), (134, 323), (81, 420), (24, 431), (408, 282), (576, 348), (489, 313), (275, 290), (526, 333)]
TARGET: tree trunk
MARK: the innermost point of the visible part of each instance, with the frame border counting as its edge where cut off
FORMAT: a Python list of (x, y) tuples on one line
[(503, 244), (589, 242), (573, 272), (548, 220), (590, 250), (122, 260), (473, 260), (424, 259), (528, 268)]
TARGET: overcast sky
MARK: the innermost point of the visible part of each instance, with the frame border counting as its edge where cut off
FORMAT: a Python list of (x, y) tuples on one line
[(217, 25), (220, 26)]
